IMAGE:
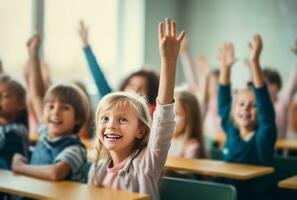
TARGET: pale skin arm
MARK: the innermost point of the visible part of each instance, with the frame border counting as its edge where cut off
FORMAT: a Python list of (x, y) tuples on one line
[(36, 84), (83, 33), (53, 172), (255, 51), (227, 59), (169, 46), (187, 63)]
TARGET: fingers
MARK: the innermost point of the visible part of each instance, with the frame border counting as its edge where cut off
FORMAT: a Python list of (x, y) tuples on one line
[(170, 30), (161, 30), (181, 36), (173, 29), (168, 26)]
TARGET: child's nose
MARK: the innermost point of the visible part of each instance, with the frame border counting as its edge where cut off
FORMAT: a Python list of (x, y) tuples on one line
[(111, 124)]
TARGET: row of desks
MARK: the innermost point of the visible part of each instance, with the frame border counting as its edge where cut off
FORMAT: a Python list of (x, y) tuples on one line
[(41, 189), (281, 144)]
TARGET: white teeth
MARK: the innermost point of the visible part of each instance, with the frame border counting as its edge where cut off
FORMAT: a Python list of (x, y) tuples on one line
[(112, 136)]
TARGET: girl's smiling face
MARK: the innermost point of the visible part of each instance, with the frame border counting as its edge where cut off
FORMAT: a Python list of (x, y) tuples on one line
[(245, 112), (118, 129)]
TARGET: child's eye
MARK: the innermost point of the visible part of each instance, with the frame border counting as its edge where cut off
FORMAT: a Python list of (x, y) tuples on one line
[(66, 107), (104, 119), (50, 106), (123, 120)]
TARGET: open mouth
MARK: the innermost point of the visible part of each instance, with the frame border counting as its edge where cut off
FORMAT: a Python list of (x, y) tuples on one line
[(56, 122), (112, 136)]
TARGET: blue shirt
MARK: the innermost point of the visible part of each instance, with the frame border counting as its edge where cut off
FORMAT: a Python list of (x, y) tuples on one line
[(259, 149), (13, 139), (99, 78), (66, 148)]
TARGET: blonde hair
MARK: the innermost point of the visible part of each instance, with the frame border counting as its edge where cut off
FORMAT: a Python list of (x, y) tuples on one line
[(138, 104), (194, 121)]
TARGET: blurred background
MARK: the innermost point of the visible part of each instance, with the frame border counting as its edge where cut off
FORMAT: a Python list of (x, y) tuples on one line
[(123, 34)]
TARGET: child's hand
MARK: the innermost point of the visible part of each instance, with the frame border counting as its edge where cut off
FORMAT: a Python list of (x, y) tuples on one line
[(17, 161), (33, 45), (203, 65), (184, 46), (168, 43), (255, 49), (83, 33), (227, 56), (294, 49)]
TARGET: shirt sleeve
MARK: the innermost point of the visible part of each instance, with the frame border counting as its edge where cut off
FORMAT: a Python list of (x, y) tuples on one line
[(162, 130), (102, 85), (75, 156), (224, 106)]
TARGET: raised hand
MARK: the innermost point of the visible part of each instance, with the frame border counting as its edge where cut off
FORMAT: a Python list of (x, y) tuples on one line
[(255, 49), (203, 65), (33, 45), (184, 46), (169, 44), (83, 33), (227, 55)]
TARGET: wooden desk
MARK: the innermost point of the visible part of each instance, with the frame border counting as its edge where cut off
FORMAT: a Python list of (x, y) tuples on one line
[(41, 189), (289, 183), (286, 144), (217, 168)]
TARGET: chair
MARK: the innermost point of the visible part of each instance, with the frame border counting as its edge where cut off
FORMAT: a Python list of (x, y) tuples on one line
[(180, 189)]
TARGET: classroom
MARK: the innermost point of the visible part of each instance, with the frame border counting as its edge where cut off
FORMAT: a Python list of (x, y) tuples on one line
[(148, 99)]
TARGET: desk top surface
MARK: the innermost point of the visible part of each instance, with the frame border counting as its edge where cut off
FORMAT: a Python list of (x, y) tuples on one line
[(289, 183), (217, 168), (41, 189), (288, 144)]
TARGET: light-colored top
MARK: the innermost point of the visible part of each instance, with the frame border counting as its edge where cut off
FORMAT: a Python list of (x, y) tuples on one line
[(143, 168), (18, 184), (212, 123), (282, 105), (289, 183), (183, 147), (217, 168)]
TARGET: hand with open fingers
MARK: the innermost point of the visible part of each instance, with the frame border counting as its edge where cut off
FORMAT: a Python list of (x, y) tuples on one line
[(17, 161), (184, 46), (227, 55), (294, 49), (255, 48), (203, 65), (169, 44), (83, 33), (33, 45)]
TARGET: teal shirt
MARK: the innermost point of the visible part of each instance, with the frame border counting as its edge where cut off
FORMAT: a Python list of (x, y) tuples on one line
[(259, 149), (101, 83)]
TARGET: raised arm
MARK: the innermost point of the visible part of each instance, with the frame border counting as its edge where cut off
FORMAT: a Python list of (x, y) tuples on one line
[(227, 59), (35, 83), (169, 46), (187, 63), (255, 51), (101, 83)]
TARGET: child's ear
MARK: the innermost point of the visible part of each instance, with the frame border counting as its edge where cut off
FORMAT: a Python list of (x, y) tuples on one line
[(140, 133)]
